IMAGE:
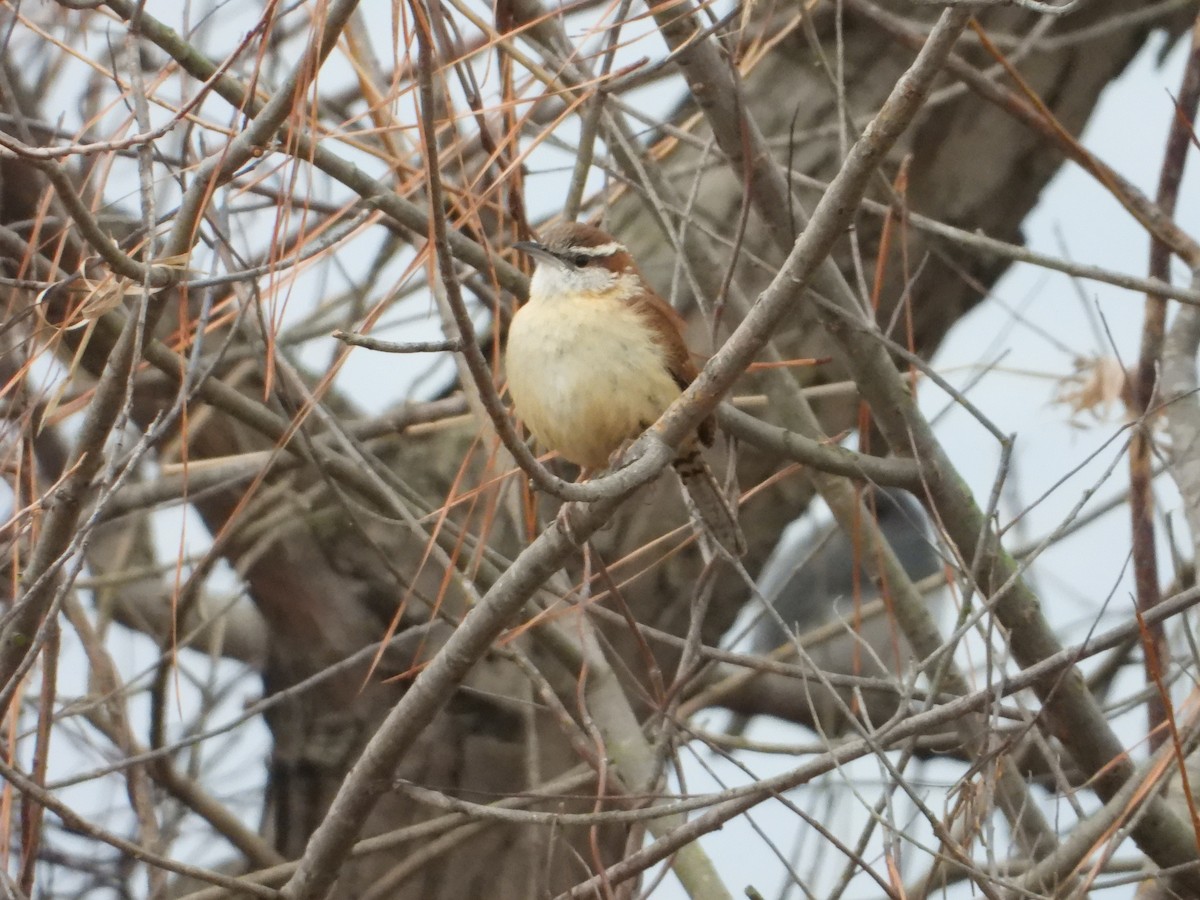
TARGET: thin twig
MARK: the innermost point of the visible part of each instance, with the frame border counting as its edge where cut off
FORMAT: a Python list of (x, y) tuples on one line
[(365, 340)]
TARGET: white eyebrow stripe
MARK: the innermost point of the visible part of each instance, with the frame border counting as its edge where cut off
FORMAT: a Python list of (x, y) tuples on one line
[(602, 250)]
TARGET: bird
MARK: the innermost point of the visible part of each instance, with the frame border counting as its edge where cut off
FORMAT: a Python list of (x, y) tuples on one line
[(596, 356), (812, 582)]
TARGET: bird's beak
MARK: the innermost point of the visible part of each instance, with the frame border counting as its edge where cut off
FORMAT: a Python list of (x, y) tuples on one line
[(534, 249)]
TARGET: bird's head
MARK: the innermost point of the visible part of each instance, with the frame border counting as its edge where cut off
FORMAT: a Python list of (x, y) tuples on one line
[(573, 259)]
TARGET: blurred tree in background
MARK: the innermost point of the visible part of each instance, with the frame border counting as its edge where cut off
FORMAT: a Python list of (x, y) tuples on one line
[(460, 699)]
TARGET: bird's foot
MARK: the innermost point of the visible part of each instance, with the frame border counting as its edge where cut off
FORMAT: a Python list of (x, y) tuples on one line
[(621, 457)]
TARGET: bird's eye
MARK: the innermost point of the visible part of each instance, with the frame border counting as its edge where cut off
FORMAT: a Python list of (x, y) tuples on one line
[(581, 260)]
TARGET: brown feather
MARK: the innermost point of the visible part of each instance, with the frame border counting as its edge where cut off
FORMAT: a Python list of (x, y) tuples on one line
[(665, 322), (712, 507), (623, 355), (668, 327)]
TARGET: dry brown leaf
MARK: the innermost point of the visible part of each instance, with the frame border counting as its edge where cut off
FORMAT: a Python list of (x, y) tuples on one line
[(1097, 384)]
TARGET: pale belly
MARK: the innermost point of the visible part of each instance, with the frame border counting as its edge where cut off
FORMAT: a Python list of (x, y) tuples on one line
[(585, 376)]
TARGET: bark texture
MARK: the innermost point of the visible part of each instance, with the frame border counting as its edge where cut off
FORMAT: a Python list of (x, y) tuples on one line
[(326, 576)]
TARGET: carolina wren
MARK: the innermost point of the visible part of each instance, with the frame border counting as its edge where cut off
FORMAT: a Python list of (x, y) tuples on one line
[(596, 356)]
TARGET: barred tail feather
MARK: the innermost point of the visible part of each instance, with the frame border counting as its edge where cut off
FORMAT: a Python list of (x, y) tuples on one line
[(712, 514)]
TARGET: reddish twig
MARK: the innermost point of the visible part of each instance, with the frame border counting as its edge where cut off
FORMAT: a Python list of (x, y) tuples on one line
[(1145, 386)]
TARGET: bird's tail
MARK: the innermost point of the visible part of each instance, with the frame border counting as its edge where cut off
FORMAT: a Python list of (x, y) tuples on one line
[(712, 513)]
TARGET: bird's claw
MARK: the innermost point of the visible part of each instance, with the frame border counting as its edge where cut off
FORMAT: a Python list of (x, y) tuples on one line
[(622, 457)]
